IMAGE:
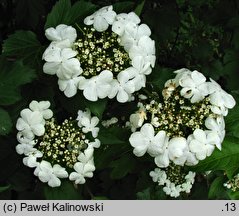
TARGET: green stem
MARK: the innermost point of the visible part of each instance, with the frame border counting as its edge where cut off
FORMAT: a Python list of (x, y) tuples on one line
[(80, 28)]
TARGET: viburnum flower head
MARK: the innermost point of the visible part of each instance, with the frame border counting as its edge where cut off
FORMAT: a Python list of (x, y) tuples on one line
[(190, 120), (107, 55), (55, 150), (174, 180)]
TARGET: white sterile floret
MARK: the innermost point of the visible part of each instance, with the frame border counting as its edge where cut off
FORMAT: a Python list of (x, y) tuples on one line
[(172, 188), (108, 123), (221, 101), (24, 148), (162, 160), (137, 119), (101, 19), (145, 140), (145, 48), (61, 62), (81, 115), (25, 145), (84, 168), (31, 159), (43, 107), (140, 69), (194, 86), (177, 150), (60, 33), (122, 20), (133, 33), (94, 144), (159, 176), (216, 125), (50, 174), (89, 125), (201, 145), (69, 86), (97, 86), (31, 123), (123, 87)]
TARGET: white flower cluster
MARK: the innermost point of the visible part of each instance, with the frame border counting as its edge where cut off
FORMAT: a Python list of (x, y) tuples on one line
[(48, 155), (170, 188), (189, 102), (65, 61)]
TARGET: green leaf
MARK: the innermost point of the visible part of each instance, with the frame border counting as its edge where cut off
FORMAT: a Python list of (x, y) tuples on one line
[(222, 160), (5, 122), (159, 76), (113, 135), (144, 195), (217, 190), (233, 195), (123, 7), (4, 188), (12, 76), (98, 107), (24, 45), (122, 166), (79, 11), (66, 191), (64, 13), (59, 14), (138, 10), (232, 120)]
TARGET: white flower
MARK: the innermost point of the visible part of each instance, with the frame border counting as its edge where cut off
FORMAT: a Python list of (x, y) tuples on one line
[(89, 125), (221, 101), (177, 149), (101, 18), (140, 69), (137, 119), (31, 159), (61, 62), (145, 141), (122, 20), (170, 86), (133, 33), (84, 168), (200, 144), (159, 176), (217, 126), (26, 145), (60, 33), (82, 171), (31, 123), (97, 86), (69, 86), (95, 144), (42, 107), (24, 148), (145, 48), (108, 123), (49, 174), (162, 160), (81, 115), (123, 86), (194, 86), (172, 190), (22, 139)]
